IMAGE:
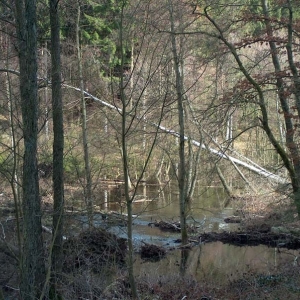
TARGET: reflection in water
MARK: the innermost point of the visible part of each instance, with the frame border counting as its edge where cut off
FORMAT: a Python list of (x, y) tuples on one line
[(214, 262), (161, 201), (218, 263), (105, 199)]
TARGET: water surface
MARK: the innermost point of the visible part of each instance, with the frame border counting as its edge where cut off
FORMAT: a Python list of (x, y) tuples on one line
[(216, 261)]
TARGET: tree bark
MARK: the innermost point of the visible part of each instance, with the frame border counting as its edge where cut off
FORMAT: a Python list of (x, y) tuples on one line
[(32, 262), (58, 150)]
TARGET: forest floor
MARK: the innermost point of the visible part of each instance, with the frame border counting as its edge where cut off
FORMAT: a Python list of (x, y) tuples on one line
[(271, 221)]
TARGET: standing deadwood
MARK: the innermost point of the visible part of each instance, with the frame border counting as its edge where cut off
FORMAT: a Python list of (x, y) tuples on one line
[(58, 149), (32, 262), (88, 177)]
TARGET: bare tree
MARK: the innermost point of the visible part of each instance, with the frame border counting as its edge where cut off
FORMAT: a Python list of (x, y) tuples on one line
[(182, 172), (88, 178), (137, 106), (256, 87)]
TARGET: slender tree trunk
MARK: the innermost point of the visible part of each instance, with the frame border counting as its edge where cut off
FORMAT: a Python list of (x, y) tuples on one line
[(14, 181), (159, 166), (127, 183), (45, 75), (32, 263), (296, 92), (193, 171), (88, 177), (58, 149), (180, 111), (224, 182)]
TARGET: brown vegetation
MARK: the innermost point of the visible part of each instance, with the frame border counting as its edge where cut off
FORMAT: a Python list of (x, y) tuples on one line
[(152, 252), (94, 248)]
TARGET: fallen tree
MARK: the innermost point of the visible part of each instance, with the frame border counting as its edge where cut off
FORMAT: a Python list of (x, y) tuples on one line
[(252, 166)]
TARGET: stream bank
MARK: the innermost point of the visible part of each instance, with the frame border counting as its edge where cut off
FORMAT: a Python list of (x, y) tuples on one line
[(220, 259)]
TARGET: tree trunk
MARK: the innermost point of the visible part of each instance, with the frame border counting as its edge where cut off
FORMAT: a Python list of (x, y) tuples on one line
[(58, 149), (127, 183), (224, 182), (88, 178), (180, 111), (14, 180), (293, 159), (32, 262)]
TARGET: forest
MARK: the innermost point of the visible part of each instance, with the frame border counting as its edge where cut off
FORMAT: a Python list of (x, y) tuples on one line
[(113, 112)]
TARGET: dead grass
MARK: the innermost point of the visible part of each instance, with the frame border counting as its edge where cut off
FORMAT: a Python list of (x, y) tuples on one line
[(283, 284)]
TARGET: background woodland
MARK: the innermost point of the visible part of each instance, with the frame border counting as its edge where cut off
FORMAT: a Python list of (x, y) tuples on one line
[(141, 91)]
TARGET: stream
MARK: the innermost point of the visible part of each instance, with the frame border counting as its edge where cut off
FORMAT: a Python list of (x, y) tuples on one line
[(216, 262)]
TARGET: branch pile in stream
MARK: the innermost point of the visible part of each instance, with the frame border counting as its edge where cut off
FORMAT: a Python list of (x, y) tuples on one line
[(152, 252), (279, 240), (171, 226), (94, 248)]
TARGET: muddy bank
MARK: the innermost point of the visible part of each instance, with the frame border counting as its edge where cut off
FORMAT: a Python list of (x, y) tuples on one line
[(269, 239)]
